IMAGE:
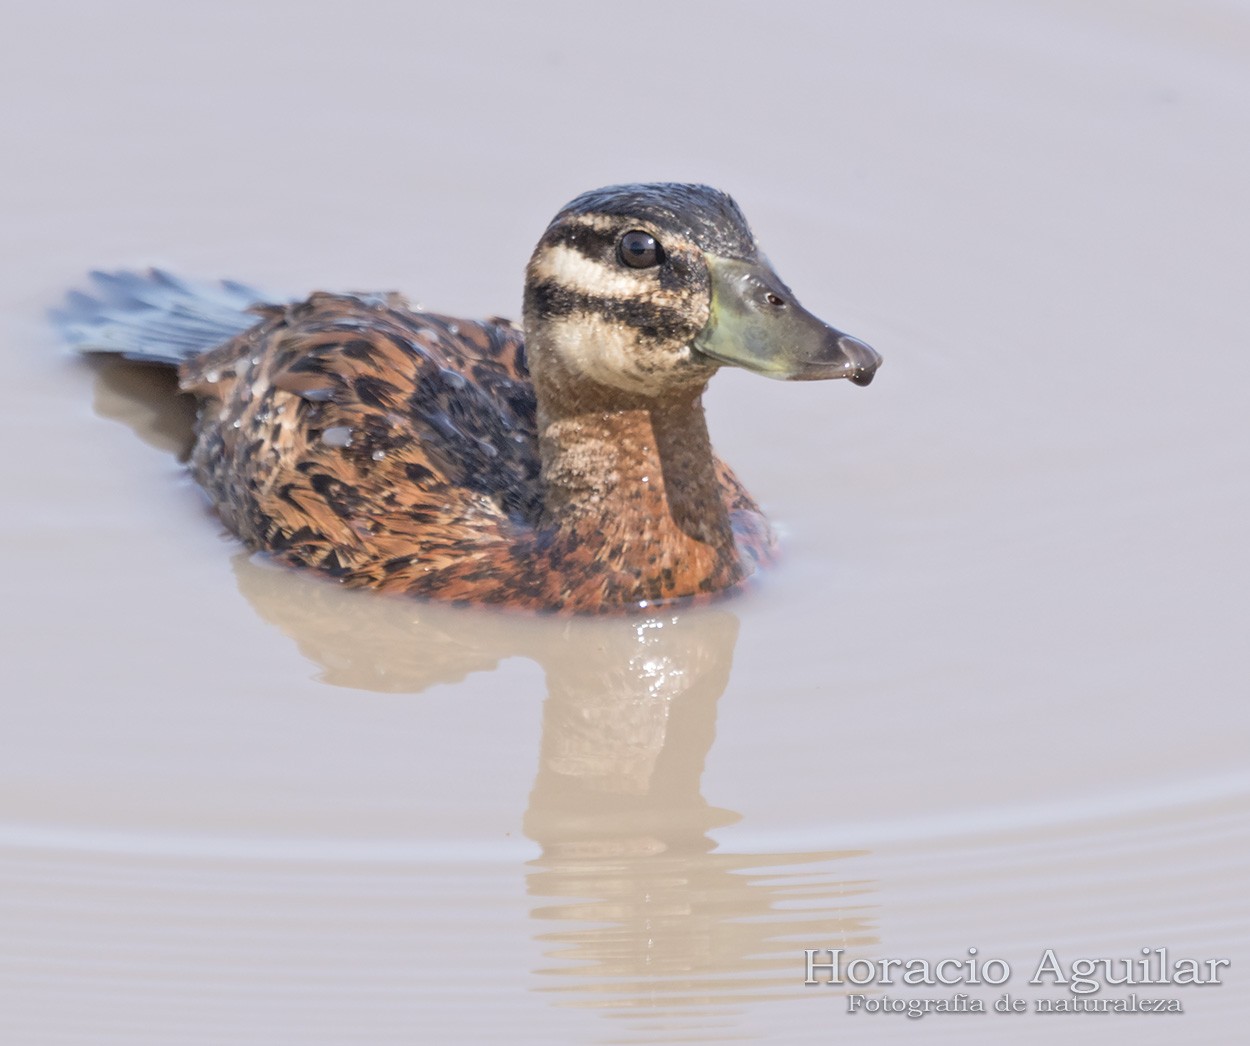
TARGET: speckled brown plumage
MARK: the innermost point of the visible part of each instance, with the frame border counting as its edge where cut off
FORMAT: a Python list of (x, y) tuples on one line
[(398, 450), (567, 469)]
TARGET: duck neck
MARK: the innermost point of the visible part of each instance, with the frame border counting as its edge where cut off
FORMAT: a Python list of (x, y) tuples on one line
[(637, 476)]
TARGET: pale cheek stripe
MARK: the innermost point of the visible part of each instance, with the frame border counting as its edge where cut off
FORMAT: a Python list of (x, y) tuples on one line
[(573, 270), (596, 347)]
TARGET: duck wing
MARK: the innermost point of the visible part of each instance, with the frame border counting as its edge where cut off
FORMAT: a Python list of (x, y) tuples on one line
[(381, 444)]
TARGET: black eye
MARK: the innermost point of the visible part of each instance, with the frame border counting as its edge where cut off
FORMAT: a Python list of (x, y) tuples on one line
[(639, 250)]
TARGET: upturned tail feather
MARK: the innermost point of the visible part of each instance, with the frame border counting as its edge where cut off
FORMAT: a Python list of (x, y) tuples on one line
[(155, 317)]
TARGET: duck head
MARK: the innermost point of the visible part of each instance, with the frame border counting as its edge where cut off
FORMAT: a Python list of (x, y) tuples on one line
[(649, 288)]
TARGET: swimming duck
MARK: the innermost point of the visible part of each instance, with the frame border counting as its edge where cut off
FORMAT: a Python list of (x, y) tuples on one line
[(564, 465)]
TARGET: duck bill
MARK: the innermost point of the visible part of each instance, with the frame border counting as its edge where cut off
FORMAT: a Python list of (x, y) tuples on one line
[(756, 323)]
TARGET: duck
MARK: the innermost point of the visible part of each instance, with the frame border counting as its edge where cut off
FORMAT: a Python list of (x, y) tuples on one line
[(563, 464)]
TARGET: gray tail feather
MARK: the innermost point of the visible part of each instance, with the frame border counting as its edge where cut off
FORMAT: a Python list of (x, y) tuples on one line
[(154, 316)]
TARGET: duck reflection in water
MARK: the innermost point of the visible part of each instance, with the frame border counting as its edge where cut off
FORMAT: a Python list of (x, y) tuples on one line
[(640, 913), (663, 922)]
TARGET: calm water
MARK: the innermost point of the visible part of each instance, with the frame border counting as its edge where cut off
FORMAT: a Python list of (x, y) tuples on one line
[(994, 697)]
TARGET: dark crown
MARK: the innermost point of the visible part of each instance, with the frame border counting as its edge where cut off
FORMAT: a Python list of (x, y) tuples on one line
[(707, 217)]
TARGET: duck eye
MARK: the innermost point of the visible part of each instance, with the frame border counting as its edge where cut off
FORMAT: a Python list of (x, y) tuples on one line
[(639, 250)]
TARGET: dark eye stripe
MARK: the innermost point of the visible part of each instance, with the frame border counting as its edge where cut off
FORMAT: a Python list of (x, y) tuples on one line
[(550, 299), (584, 239)]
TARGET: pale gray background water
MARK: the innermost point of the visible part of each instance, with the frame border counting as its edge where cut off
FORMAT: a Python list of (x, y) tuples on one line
[(994, 696)]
